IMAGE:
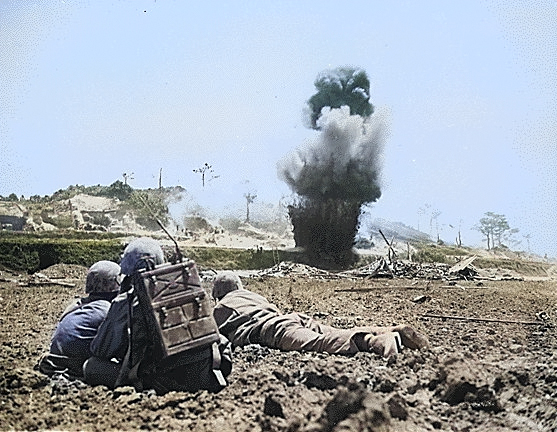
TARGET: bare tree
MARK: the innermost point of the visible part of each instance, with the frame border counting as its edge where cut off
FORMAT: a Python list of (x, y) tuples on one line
[(127, 176), (205, 170), (459, 238), (434, 217), (527, 237), (249, 200), (422, 211)]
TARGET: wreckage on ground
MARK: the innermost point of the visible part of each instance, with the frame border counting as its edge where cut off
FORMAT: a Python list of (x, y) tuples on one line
[(381, 268)]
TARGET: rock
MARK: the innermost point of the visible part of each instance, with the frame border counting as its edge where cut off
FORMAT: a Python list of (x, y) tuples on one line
[(123, 391), (397, 407), (272, 407), (22, 380), (319, 381), (345, 402)]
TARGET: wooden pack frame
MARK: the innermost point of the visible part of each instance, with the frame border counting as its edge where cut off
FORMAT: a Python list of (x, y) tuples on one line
[(182, 310)]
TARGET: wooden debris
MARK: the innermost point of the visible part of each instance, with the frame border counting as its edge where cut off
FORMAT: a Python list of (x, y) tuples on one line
[(49, 282), (392, 253), (452, 286), (38, 279), (460, 266), (421, 299), (427, 315), (3, 279), (284, 269), (379, 268), (368, 289)]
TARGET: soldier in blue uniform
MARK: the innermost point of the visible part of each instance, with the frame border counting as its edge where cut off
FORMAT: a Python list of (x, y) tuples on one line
[(78, 325)]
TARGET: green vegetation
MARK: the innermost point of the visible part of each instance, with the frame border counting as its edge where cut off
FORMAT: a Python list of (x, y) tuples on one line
[(31, 253), (530, 268), (34, 252), (60, 221), (496, 229), (144, 204), (431, 253)]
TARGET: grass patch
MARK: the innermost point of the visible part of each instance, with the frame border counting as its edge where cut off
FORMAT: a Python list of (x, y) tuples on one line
[(432, 253), (31, 252), (529, 268)]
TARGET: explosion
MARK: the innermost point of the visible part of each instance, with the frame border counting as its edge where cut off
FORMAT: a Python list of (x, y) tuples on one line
[(333, 177)]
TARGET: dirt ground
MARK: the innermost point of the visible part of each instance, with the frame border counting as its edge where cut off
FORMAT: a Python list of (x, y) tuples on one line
[(475, 376)]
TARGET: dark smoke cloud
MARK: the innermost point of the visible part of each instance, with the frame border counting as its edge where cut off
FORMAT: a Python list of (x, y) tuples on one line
[(342, 163)]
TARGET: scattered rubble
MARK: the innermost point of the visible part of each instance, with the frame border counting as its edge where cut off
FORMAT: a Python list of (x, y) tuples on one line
[(464, 270), (284, 269)]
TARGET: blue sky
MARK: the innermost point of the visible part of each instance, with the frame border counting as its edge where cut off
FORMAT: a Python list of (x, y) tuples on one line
[(92, 89)]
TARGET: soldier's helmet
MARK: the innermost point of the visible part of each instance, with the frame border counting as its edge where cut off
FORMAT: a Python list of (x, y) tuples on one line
[(138, 253), (103, 276), (224, 283)]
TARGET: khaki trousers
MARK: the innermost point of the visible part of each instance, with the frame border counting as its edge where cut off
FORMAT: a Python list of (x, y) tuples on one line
[(299, 332)]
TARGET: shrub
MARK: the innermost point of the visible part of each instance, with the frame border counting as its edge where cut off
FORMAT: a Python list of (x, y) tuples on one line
[(33, 253), (429, 255)]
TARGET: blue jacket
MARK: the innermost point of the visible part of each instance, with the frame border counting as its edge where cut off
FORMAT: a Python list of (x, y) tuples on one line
[(69, 347)]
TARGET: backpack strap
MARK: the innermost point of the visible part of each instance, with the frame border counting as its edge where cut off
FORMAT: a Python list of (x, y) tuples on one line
[(135, 353), (124, 375), (216, 365)]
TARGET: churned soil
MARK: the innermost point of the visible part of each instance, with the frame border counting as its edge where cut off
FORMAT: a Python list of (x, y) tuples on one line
[(475, 376)]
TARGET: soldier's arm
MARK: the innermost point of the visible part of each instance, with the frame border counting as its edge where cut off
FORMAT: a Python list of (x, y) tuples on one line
[(222, 314), (111, 340)]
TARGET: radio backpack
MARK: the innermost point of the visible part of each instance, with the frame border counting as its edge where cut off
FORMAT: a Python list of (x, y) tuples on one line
[(175, 332)]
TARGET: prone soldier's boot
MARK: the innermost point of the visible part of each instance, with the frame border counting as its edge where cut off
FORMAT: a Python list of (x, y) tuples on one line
[(410, 338), (385, 344)]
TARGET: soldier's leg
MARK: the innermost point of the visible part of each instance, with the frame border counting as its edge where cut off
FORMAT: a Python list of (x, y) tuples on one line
[(288, 332), (407, 335), (339, 341), (314, 325), (98, 371)]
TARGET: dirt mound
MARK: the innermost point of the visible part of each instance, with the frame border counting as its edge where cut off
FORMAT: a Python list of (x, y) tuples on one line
[(66, 271)]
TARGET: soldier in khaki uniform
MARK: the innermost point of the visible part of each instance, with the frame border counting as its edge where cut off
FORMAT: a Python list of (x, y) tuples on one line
[(245, 317)]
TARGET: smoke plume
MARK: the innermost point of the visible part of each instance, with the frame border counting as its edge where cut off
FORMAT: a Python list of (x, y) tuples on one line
[(333, 176), (342, 162)]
